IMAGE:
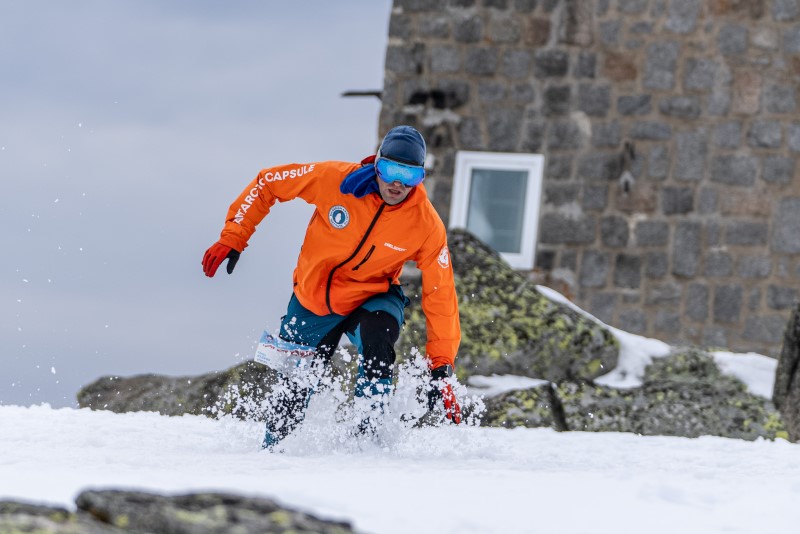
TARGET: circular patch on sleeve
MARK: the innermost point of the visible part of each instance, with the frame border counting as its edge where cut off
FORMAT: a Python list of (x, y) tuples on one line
[(444, 258)]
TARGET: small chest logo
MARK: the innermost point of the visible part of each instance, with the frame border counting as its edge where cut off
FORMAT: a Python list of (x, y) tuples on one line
[(338, 217)]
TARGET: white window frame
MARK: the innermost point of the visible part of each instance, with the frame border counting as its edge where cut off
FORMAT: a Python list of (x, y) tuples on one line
[(533, 164)]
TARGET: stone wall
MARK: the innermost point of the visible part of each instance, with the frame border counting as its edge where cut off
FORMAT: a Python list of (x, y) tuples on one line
[(695, 99)]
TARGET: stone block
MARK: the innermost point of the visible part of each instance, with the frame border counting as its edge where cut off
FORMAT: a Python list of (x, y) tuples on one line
[(727, 303), (667, 321), (403, 59), (556, 100), (445, 59), (619, 67), (764, 329), (754, 267), (594, 100), (683, 107), (557, 228), (614, 231), (642, 198), (682, 15), (786, 226), (594, 269), (585, 65), (690, 155), (632, 321), (793, 136), (517, 63), (660, 65), (677, 200), (658, 162), (747, 86), (564, 135), (782, 297), (609, 32), (523, 93), (434, 26), (606, 134), (559, 194), (718, 264), (490, 91), (734, 170), (698, 74), (764, 134), (697, 302), (785, 10), (504, 30), (632, 7), (595, 197), (481, 61), (778, 170), (640, 105), (559, 167), (400, 26), (650, 131), (599, 166), (791, 40), (550, 63), (534, 138), (686, 249), (468, 29), (536, 32), (728, 134), (732, 40), (656, 264), (666, 294), (628, 271), (780, 98), (651, 233), (504, 127), (742, 202), (469, 134), (707, 201), (602, 305), (746, 233)]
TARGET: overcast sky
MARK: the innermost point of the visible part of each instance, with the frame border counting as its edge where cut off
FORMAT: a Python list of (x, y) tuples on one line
[(127, 127)]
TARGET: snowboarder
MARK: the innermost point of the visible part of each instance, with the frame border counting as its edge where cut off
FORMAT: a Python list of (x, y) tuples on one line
[(369, 219)]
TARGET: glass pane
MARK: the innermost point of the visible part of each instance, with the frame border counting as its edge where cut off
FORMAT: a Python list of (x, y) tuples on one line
[(497, 208)]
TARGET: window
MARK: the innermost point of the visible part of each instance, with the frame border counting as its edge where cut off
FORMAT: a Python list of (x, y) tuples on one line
[(496, 196)]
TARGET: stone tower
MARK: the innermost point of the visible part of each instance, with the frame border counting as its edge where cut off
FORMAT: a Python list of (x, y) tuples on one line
[(697, 100)]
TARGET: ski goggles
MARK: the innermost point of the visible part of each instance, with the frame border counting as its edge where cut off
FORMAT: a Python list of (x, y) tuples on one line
[(391, 171)]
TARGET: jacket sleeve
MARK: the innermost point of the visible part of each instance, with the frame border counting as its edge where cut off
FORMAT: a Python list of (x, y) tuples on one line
[(281, 183), (439, 300)]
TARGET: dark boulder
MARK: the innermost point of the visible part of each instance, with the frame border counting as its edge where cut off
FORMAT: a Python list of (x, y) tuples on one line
[(786, 393)]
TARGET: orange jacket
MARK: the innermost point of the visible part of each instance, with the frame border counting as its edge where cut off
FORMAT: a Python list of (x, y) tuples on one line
[(355, 248)]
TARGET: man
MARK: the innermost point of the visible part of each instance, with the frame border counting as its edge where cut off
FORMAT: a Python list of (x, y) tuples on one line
[(370, 218)]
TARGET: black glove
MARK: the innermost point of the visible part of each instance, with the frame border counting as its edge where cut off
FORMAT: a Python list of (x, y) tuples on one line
[(442, 390)]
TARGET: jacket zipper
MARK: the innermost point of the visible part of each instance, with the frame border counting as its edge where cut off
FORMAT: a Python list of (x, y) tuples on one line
[(350, 258), (362, 262)]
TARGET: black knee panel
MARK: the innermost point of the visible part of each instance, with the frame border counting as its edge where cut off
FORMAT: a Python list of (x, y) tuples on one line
[(379, 332)]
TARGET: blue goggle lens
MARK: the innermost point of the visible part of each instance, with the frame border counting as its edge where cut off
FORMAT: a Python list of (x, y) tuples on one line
[(392, 171)]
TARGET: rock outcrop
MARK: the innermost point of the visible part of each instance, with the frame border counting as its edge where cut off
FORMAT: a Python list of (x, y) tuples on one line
[(683, 394), (117, 512), (786, 393), (508, 327)]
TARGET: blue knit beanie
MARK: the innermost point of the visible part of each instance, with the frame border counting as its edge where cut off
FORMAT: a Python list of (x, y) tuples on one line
[(403, 144)]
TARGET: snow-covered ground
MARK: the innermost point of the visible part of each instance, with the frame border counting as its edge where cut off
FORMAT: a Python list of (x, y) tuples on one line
[(463, 479), (438, 480)]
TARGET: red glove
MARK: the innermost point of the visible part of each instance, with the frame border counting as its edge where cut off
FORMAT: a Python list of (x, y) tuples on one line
[(441, 389), (216, 255)]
